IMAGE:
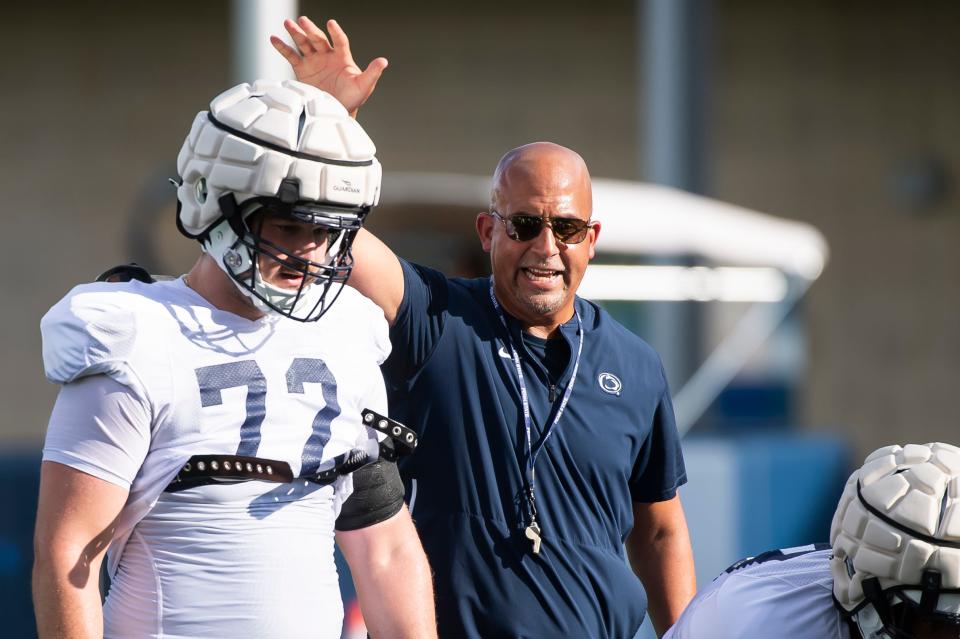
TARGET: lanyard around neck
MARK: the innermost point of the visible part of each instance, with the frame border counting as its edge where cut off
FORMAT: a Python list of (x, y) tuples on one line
[(524, 399)]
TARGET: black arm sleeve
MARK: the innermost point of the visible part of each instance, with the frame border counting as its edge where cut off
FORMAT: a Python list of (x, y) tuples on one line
[(377, 496)]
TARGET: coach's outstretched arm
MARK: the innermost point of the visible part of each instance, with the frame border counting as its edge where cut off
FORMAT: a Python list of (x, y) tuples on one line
[(393, 579), (328, 64), (74, 526)]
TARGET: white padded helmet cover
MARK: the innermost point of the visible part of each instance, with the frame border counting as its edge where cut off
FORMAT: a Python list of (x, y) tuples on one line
[(916, 486), (293, 130)]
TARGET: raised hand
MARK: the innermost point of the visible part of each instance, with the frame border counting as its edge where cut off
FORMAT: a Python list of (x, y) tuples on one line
[(327, 66)]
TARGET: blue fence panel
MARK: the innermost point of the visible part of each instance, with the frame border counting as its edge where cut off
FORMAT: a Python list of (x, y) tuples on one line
[(19, 482)]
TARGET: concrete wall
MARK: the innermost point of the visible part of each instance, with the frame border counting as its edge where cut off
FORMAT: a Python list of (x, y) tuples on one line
[(818, 107), (96, 99)]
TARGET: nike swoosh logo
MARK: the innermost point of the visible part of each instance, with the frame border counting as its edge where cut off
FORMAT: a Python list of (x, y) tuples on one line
[(503, 353)]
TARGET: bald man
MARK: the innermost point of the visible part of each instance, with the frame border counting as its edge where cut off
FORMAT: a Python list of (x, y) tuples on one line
[(547, 437)]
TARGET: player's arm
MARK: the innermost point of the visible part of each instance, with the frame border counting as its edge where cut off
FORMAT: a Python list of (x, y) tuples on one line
[(75, 518), (660, 553), (97, 438), (392, 577), (328, 64)]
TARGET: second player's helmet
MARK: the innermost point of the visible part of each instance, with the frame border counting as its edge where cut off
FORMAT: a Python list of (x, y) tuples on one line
[(283, 148), (896, 543)]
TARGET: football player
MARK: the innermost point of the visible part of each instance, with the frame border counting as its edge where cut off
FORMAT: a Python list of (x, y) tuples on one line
[(213, 433), (892, 568)]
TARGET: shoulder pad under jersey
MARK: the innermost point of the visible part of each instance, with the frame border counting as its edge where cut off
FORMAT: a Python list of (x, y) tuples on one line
[(92, 330)]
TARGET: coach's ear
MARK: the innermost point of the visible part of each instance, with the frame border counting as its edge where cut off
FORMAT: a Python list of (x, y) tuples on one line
[(125, 273), (485, 224)]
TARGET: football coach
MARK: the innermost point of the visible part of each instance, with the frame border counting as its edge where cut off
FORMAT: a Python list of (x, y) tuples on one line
[(546, 429)]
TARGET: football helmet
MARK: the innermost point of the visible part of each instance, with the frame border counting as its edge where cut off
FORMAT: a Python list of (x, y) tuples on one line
[(277, 148), (896, 543)]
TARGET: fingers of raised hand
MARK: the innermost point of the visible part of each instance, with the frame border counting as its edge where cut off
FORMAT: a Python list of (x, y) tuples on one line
[(314, 34), (339, 36), (372, 73), (299, 37), (288, 52)]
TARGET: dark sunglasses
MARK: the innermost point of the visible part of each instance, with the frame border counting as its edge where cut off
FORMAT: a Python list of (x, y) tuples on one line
[(523, 228)]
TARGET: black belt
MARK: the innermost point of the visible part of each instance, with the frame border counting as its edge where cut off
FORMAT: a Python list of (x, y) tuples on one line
[(201, 470)]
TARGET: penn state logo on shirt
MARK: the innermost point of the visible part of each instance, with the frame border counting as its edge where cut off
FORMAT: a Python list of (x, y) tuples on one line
[(609, 383)]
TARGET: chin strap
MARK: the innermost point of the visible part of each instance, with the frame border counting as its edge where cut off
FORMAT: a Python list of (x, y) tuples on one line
[(231, 213), (930, 584), (873, 593)]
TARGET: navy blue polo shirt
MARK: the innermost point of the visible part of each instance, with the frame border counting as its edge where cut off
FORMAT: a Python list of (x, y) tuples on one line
[(452, 379)]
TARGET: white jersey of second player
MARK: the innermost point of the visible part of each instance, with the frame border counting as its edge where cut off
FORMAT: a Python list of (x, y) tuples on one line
[(153, 375), (785, 593)]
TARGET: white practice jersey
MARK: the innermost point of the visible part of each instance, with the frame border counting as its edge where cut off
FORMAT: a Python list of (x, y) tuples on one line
[(154, 374), (784, 593)]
